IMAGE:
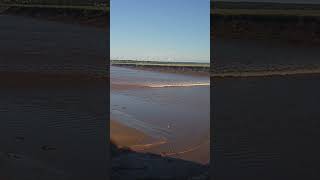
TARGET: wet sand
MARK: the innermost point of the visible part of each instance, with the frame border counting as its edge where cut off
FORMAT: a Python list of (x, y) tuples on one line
[(162, 106), (54, 100), (124, 136)]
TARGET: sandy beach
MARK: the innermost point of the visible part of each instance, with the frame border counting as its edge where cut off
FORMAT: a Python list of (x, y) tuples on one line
[(124, 136)]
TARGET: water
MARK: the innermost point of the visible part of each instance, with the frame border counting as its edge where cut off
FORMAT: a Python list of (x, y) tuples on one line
[(167, 106), (126, 76)]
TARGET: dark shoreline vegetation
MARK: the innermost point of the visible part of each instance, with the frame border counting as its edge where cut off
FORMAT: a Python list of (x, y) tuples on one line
[(165, 66), (275, 22)]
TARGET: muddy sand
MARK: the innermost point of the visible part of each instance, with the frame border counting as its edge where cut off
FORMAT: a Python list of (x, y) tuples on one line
[(125, 137)]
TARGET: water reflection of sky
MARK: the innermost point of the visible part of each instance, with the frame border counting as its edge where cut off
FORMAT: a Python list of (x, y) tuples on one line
[(121, 75), (171, 113)]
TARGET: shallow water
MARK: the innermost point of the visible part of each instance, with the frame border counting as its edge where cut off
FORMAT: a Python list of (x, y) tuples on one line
[(170, 107)]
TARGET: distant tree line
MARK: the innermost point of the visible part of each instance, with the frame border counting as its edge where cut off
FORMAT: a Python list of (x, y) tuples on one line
[(58, 2)]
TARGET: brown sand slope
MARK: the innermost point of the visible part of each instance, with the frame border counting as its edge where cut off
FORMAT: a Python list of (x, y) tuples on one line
[(125, 136), (128, 164)]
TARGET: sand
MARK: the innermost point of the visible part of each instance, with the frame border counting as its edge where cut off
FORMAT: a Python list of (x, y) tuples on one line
[(126, 137), (130, 161)]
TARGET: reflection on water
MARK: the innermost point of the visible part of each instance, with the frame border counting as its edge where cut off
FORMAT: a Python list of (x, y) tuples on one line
[(173, 108), (126, 76)]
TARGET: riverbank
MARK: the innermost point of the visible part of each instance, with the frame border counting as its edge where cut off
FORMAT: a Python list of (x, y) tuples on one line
[(129, 161), (128, 165), (202, 69)]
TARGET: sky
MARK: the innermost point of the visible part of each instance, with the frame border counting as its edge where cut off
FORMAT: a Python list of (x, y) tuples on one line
[(278, 1), (160, 30)]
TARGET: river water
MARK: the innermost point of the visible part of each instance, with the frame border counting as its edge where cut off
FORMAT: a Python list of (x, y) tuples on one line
[(172, 108)]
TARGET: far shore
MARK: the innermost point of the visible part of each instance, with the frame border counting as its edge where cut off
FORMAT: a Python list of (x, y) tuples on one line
[(198, 69)]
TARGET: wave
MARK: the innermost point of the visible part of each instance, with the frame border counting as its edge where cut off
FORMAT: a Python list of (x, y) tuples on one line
[(181, 84)]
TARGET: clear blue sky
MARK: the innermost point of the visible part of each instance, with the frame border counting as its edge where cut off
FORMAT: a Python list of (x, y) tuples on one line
[(165, 30), (278, 1)]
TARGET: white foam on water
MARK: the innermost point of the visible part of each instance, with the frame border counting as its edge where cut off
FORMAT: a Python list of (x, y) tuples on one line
[(177, 84)]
